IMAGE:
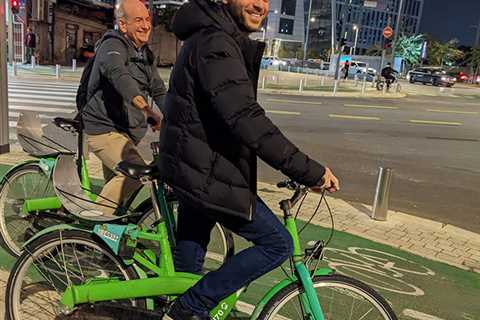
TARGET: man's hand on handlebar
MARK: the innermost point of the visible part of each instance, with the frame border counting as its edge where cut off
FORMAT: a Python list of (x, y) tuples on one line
[(154, 118), (329, 182)]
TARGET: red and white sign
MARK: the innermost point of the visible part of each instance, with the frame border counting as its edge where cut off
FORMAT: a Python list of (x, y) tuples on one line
[(388, 32)]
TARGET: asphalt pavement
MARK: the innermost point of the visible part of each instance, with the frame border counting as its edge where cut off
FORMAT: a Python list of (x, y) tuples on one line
[(431, 143)]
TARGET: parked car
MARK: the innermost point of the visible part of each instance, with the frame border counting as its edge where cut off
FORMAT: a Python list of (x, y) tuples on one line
[(273, 61), (431, 75), (361, 67)]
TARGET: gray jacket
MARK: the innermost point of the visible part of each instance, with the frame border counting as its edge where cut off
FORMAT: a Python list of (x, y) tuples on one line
[(121, 72)]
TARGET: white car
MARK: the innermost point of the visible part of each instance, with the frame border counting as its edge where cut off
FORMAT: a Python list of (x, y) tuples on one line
[(273, 61), (361, 67)]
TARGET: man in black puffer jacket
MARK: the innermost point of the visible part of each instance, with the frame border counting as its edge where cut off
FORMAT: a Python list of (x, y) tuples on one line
[(212, 132)]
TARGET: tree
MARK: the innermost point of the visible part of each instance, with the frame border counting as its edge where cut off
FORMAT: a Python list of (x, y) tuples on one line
[(375, 50), (474, 60), (409, 49), (444, 53)]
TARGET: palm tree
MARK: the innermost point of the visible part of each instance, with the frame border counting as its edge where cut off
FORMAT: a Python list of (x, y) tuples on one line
[(410, 49)]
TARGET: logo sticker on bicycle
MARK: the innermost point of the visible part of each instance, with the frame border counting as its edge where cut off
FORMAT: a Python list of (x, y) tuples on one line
[(379, 269)]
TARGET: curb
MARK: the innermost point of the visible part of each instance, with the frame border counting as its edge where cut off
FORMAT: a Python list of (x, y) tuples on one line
[(330, 94)]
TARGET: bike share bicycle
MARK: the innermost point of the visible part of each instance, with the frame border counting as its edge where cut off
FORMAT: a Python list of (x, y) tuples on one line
[(107, 273), (28, 203)]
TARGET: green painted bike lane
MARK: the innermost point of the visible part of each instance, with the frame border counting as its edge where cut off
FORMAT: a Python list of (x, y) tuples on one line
[(416, 287)]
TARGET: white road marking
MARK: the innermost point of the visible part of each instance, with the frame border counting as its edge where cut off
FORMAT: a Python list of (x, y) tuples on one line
[(352, 117), (452, 111), (43, 102), (367, 106), (40, 109), (284, 112), (294, 101), (438, 123), (41, 97), (419, 315)]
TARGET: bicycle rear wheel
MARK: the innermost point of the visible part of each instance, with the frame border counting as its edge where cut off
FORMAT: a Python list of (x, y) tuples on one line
[(51, 263), (27, 181), (341, 298)]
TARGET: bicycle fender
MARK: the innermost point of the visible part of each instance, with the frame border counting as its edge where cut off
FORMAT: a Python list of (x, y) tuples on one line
[(59, 227), (282, 284), (270, 294)]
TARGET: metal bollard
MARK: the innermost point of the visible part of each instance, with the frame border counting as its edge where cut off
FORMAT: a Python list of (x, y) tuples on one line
[(14, 68), (74, 65), (322, 82), (335, 84), (305, 82), (382, 194), (300, 88), (57, 71), (364, 85), (263, 82), (33, 62)]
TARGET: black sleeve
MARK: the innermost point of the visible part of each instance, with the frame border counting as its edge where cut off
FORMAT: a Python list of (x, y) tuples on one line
[(112, 59), (224, 80)]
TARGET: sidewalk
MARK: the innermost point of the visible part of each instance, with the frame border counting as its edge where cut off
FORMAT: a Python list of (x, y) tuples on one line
[(426, 238), (270, 82)]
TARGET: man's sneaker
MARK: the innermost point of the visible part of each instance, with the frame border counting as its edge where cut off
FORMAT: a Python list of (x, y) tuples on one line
[(177, 312)]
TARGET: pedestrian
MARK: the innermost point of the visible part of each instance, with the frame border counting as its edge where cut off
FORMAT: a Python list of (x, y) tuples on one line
[(123, 75), (213, 131), (30, 45), (346, 68)]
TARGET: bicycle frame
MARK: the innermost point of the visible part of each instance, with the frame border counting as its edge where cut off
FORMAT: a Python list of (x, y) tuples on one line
[(167, 281)]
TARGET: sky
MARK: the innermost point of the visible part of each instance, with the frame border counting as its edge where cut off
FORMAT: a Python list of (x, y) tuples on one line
[(448, 19)]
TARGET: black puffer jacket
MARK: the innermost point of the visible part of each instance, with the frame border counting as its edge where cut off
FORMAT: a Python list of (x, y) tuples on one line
[(213, 127)]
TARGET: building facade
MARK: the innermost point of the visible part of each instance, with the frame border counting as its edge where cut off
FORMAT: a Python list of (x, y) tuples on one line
[(285, 23), (353, 16)]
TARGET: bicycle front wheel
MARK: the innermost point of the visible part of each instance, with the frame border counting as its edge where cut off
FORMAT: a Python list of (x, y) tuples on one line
[(53, 262), (24, 182), (341, 298)]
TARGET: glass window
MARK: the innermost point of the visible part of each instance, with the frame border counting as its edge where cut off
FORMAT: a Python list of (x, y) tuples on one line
[(288, 7), (286, 26)]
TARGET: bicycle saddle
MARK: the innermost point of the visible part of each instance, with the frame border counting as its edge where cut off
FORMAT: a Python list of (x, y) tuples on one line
[(65, 123), (136, 171)]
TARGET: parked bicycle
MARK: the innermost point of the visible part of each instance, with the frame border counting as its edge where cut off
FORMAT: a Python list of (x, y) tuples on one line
[(108, 272), (29, 203)]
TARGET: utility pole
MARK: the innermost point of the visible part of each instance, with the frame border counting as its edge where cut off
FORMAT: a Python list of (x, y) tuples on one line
[(10, 33), (477, 37), (343, 35), (397, 30), (305, 45), (4, 136)]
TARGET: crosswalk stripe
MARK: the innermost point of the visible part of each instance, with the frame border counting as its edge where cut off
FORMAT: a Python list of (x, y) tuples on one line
[(51, 92), (42, 102), (43, 87), (17, 114), (41, 109), (46, 83), (39, 96)]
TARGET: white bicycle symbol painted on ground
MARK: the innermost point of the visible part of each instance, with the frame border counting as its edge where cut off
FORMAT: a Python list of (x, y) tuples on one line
[(379, 269)]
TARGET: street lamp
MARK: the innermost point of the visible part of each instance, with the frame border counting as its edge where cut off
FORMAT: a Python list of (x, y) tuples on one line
[(356, 29)]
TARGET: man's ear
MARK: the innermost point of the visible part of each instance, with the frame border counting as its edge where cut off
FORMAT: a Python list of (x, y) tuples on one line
[(225, 1), (122, 25)]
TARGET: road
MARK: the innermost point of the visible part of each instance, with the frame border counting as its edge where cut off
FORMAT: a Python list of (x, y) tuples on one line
[(431, 143)]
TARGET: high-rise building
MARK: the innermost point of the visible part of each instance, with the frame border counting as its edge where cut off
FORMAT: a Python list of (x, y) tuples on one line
[(370, 17)]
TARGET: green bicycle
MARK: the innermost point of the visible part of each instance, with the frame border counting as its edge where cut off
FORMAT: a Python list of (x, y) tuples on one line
[(29, 203), (110, 272)]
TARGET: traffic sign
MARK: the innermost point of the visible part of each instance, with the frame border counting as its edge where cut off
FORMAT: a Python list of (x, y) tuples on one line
[(388, 32)]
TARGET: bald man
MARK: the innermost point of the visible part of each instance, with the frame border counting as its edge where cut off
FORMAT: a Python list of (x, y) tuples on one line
[(123, 76)]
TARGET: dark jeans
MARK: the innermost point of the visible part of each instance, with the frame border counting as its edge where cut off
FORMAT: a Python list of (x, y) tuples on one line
[(272, 246), (29, 53)]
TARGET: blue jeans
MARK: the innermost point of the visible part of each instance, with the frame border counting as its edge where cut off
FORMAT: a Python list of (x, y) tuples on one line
[(272, 246)]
